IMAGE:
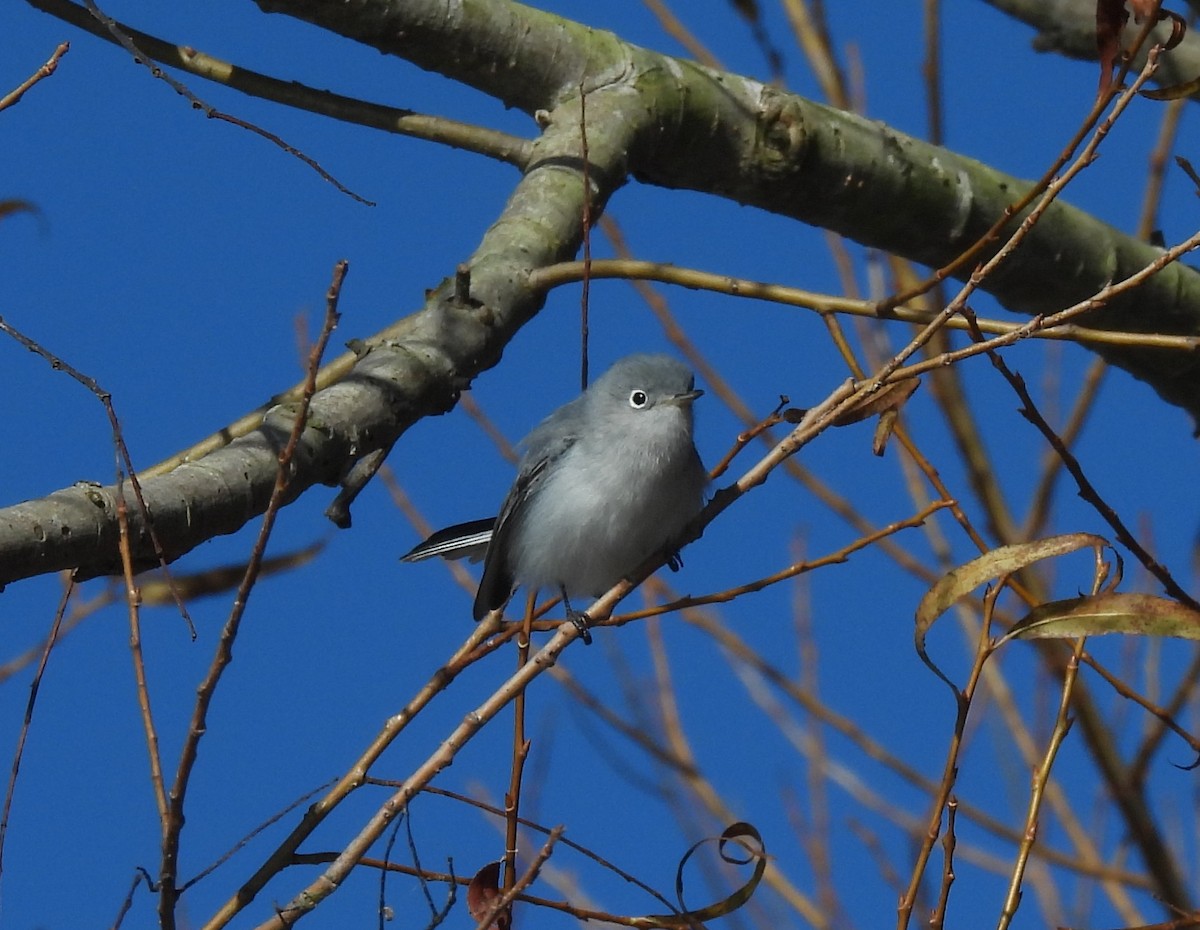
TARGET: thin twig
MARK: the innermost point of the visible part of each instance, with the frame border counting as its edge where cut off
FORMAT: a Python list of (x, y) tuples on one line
[(1038, 513), (949, 844), (34, 686), (125, 461), (169, 893), (963, 699), (802, 567), (133, 605), (140, 875), (14, 96), (125, 41), (480, 140), (240, 844), (561, 273), (585, 290), (520, 753), (1062, 724)]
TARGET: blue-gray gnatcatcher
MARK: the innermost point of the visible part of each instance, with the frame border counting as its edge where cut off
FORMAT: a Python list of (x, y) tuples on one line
[(605, 482)]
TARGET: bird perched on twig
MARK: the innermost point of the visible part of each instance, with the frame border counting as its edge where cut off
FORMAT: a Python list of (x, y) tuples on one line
[(605, 482)]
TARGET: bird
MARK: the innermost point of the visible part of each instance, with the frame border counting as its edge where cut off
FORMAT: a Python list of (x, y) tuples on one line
[(604, 482)]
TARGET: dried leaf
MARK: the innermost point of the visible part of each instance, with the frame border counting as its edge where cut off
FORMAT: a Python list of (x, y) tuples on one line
[(1187, 168), (883, 431), (1178, 28), (745, 838), (8, 207), (1144, 10), (1174, 91), (960, 582), (156, 590), (482, 894), (891, 396), (885, 403), (1135, 614), (1111, 17)]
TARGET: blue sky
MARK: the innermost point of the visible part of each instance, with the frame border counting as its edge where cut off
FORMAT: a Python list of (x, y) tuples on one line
[(170, 259)]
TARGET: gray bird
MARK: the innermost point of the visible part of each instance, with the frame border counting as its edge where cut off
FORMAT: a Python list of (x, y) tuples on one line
[(605, 482)]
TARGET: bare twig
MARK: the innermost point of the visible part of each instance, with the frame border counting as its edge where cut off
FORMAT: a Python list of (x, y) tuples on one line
[(173, 825), (963, 699), (124, 460), (949, 844), (585, 290), (471, 138), (126, 41), (34, 685), (1062, 724), (694, 279), (14, 96), (241, 844), (133, 605), (520, 753)]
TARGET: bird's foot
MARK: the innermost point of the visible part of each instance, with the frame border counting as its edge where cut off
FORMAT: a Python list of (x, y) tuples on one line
[(579, 619)]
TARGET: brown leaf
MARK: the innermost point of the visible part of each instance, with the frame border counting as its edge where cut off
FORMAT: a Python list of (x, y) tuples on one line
[(1178, 28), (958, 583), (748, 847), (8, 207), (884, 403), (156, 589), (1174, 91), (889, 397), (483, 893), (1111, 17), (1136, 614), (1145, 9)]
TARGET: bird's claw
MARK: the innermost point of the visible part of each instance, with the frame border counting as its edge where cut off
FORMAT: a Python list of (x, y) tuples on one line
[(581, 621)]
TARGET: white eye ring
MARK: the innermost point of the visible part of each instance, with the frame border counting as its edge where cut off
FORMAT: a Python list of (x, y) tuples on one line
[(638, 399)]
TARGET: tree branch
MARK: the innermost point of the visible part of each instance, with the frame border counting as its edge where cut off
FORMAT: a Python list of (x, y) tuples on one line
[(728, 135)]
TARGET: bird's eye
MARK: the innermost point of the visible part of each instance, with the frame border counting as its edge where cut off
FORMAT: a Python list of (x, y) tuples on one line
[(638, 399)]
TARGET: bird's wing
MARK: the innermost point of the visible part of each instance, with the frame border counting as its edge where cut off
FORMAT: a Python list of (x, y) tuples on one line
[(497, 583)]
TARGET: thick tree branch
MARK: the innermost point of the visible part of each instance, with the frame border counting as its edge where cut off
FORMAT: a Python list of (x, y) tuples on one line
[(728, 135)]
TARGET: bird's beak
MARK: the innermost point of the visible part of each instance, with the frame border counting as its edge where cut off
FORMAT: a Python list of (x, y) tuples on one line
[(682, 400)]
